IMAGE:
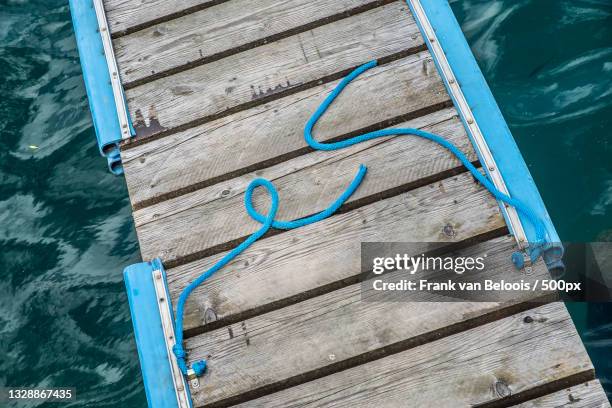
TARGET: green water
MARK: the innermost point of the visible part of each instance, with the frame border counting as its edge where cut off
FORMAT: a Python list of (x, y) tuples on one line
[(65, 226), (549, 65)]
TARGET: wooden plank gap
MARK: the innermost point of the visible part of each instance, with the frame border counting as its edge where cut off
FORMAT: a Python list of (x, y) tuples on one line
[(137, 140), (541, 390), (392, 349), (194, 256), (322, 290), (586, 395), (252, 77), (136, 74), (121, 28), (468, 368), (287, 156)]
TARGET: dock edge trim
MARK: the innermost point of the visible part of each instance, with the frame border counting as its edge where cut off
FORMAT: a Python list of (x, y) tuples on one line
[(151, 310), (102, 80), (482, 118)]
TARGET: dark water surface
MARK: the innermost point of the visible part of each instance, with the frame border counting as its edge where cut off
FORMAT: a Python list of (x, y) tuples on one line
[(549, 65), (66, 230)]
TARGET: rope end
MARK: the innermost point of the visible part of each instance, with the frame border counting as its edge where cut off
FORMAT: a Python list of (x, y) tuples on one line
[(199, 367)]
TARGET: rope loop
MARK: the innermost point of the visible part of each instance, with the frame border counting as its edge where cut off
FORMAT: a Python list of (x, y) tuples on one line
[(268, 221)]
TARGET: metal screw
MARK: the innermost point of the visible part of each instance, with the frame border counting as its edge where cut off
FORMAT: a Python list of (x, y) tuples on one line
[(470, 121)]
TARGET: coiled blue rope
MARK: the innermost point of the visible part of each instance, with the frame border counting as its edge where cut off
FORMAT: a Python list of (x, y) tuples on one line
[(268, 221)]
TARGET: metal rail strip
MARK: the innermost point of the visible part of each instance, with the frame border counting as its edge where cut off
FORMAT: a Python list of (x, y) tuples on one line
[(121, 106), (467, 116)]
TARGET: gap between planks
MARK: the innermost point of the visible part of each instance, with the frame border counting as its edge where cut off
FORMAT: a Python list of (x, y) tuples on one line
[(177, 230), (227, 29), (586, 395), (355, 325), (480, 365), (219, 150), (127, 16), (303, 263), (256, 76)]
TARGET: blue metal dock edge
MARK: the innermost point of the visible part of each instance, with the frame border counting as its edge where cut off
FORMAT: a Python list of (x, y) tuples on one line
[(97, 82), (149, 334), (487, 114)]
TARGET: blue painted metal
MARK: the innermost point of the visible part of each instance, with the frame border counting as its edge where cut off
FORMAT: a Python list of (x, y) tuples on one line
[(487, 114), (97, 82), (149, 334)]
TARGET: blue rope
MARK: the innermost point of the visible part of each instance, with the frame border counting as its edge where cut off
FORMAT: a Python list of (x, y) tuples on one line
[(268, 222), (524, 209)]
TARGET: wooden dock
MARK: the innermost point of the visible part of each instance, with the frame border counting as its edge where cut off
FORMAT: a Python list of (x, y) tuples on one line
[(218, 92)]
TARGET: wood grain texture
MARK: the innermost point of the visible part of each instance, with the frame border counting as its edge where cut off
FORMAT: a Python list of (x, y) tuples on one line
[(587, 395), (258, 75), (480, 365), (124, 15), (345, 323), (287, 265), (219, 29), (196, 157), (215, 215)]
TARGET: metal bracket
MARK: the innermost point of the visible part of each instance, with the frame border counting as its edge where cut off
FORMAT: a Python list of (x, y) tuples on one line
[(165, 312)]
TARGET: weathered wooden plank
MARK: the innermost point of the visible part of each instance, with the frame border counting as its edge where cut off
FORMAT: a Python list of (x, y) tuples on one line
[(127, 15), (263, 73), (287, 265), (480, 365), (587, 395), (189, 224), (196, 157), (216, 31), (298, 339)]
